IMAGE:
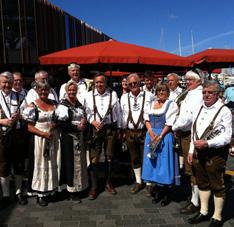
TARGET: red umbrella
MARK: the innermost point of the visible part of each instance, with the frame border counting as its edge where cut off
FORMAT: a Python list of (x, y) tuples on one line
[(213, 58), (114, 52)]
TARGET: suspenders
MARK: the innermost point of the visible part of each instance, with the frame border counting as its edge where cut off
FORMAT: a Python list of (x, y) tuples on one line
[(109, 109), (140, 119), (209, 127)]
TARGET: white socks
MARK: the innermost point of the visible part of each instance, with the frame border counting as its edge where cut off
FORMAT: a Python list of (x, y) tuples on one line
[(195, 195), (204, 198), (18, 183), (181, 161), (218, 204), (5, 184), (138, 175)]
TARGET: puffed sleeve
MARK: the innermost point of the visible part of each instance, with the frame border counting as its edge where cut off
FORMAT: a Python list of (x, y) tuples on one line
[(61, 113), (29, 114), (171, 114)]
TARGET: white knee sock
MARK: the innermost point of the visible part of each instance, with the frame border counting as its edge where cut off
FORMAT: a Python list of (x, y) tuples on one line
[(218, 204), (5, 184), (181, 161), (204, 198), (18, 184), (195, 195), (138, 175)]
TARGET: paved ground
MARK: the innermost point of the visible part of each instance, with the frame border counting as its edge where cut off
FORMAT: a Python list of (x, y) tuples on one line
[(107, 210)]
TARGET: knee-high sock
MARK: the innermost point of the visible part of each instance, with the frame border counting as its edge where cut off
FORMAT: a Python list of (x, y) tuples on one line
[(18, 184), (181, 161), (137, 173), (204, 198), (218, 205), (195, 195), (5, 184)]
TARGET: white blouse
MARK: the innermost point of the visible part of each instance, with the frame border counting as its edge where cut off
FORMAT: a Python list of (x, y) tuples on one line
[(170, 114)]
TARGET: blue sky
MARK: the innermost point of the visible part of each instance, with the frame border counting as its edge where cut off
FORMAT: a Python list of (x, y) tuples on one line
[(159, 23)]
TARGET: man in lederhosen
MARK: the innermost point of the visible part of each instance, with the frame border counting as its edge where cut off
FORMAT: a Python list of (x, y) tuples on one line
[(188, 106), (133, 106), (11, 143), (103, 113), (211, 136)]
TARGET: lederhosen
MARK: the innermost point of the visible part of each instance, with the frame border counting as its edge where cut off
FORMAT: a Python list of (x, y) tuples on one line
[(135, 137), (106, 135), (11, 144), (209, 163)]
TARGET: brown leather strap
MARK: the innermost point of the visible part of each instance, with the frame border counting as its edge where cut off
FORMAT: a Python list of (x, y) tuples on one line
[(140, 119)]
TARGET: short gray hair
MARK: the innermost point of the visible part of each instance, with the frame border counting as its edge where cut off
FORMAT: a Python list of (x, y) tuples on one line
[(43, 84), (73, 65), (174, 74), (133, 75), (37, 74), (8, 75), (209, 83)]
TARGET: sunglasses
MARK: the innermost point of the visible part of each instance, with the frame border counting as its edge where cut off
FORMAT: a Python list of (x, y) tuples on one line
[(132, 84)]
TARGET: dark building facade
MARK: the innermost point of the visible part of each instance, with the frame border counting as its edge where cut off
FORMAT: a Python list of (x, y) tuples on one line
[(31, 28)]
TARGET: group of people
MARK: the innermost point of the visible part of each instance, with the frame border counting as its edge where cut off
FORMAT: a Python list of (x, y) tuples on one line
[(67, 136)]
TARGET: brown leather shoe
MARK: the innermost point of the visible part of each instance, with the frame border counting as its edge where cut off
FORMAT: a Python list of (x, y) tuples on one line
[(189, 209), (92, 194), (148, 190), (136, 188), (111, 189)]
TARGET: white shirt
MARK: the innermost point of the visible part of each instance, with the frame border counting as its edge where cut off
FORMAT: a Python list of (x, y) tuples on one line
[(175, 93), (135, 106), (32, 95), (102, 103), (170, 114), (81, 91), (189, 106), (223, 123), (152, 90)]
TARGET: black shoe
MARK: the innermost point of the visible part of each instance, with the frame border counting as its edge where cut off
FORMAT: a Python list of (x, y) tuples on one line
[(215, 223), (42, 201), (165, 201), (198, 218), (74, 198), (22, 199), (5, 202), (189, 209)]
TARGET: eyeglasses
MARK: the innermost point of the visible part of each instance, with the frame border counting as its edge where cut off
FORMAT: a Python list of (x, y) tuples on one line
[(209, 92), (132, 84)]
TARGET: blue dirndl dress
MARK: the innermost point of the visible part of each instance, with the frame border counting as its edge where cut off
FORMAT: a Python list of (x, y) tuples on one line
[(164, 168)]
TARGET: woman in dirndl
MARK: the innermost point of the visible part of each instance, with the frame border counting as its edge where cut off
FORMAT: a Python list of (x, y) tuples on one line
[(160, 163), (71, 120), (44, 155)]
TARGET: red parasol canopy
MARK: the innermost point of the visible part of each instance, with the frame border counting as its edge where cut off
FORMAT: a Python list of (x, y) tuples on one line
[(213, 57), (114, 52)]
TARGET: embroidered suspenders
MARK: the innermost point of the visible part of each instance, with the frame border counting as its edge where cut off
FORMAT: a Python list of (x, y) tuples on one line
[(209, 127), (109, 109), (140, 119)]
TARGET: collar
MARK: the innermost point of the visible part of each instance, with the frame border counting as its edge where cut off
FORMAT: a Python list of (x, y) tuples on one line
[(216, 105), (141, 93), (106, 93)]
